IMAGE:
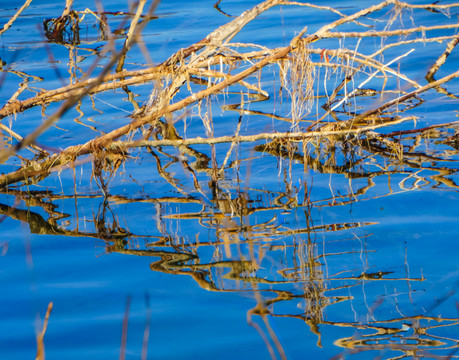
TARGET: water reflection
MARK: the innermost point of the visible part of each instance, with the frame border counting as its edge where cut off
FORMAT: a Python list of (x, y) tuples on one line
[(206, 191), (268, 242)]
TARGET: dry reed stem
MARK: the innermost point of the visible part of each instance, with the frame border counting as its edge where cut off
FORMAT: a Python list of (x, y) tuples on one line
[(405, 97), (388, 104), (141, 76), (211, 42), (214, 40), (20, 138), (69, 103), (428, 6), (40, 344), (382, 69), (388, 33), (109, 82), (321, 8), (224, 32), (292, 136), (442, 58), (68, 5), (297, 74), (57, 161), (398, 133), (14, 17), (228, 32), (365, 60), (412, 41), (131, 33)]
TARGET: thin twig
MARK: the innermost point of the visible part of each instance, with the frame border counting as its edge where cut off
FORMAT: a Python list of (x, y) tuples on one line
[(405, 97), (15, 16), (399, 32), (442, 58)]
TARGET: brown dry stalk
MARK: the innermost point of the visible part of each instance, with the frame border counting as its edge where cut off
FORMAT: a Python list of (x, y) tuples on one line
[(429, 6), (15, 16), (68, 6), (109, 82), (315, 7), (367, 61), (442, 58), (131, 33), (342, 35), (277, 54), (364, 60), (57, 161), (141, 76), (451, 124), (214, 41), (405, 97), (292, 136), (224, 32), (40, 344), (74, 99)]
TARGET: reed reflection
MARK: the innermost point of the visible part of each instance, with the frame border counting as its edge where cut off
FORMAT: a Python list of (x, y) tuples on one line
[(267, 242)]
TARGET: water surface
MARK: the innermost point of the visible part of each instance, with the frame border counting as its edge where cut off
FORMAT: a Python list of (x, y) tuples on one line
[(337, 248)]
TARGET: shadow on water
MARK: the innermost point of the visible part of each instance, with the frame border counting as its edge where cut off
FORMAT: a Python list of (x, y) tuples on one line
[(272, 189)]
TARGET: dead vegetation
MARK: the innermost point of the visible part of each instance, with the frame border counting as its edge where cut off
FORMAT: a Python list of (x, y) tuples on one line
[(215, 61), (337, 101)]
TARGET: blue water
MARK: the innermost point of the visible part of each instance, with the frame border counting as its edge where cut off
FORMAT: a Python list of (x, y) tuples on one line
[(378, 264)]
